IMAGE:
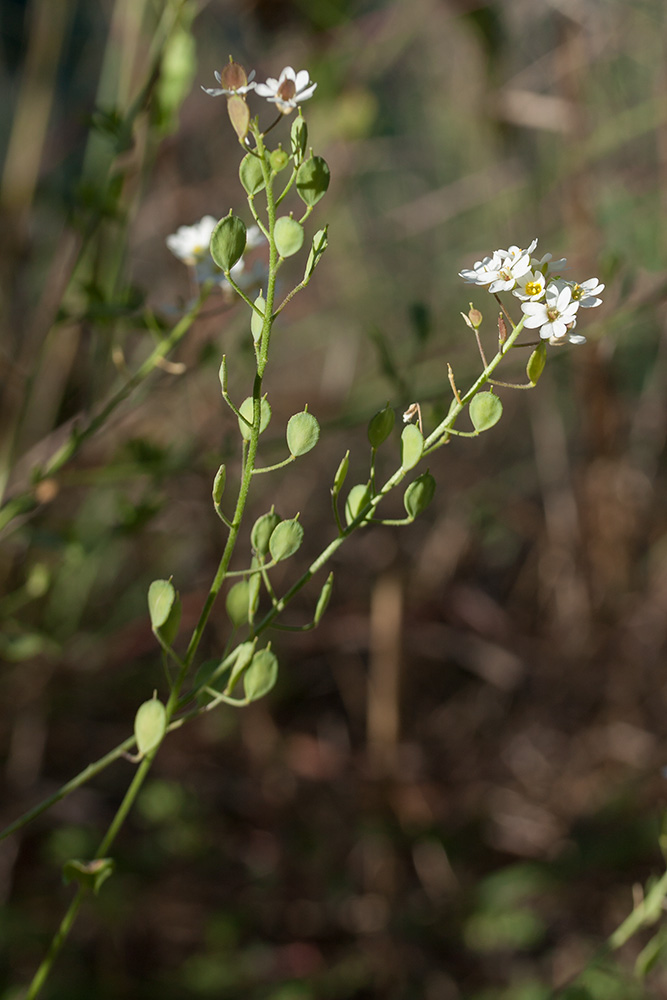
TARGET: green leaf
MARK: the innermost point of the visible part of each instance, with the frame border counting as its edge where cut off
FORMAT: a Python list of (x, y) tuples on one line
[(228, 242), (419, 494), (381, 426), (312, 180), (250, 174), (286, 539), (485, 410), (246, 409), (303, 432), (288, 235), (357, 499), (161, 598), (412, 446), (261, 675), (319, 245), (236, 603), (89, 874), (149, 725)]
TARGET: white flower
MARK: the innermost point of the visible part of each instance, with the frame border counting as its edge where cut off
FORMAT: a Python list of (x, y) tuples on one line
[(288, 89), (190, 243), (556, 316), (530, 285), (586, 292), (515, 253), (547, 265), (483, 271), (233, 80), (513, 268)]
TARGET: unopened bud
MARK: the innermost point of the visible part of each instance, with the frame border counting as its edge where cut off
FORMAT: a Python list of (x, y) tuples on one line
[(475, 317), (502, 329)]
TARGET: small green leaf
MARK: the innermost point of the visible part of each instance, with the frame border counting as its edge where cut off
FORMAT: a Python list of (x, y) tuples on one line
[(262, 530), (285, 540), (89, 874), (381, 426), (149, 725), (319, 245), (419, 494), (312, 180), (324, 598), (412, 446), (341, 474), (299, 138), (219, 484), (236, 603), (246, 409), (357, 499), (250, 174), (288, 235), (536, 362), (485, 410), (257, 321), (161, 598), (303, 433), (261, 675), (228, 242)]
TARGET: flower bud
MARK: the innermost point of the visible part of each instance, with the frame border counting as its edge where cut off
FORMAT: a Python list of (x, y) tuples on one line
[(319, 245), (475, 317), (219, 484)]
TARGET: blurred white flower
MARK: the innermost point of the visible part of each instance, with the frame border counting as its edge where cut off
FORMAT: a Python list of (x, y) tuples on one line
[(287, 90), (190, 243), (547, 265), (556, 316), (483, 271)]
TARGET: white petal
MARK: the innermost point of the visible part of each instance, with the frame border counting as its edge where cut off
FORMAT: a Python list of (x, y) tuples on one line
[(302, 79), (305, 94)]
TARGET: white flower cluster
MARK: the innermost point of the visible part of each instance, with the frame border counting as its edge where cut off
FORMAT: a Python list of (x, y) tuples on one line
[(548, 301), (191, 245), (285, 92)]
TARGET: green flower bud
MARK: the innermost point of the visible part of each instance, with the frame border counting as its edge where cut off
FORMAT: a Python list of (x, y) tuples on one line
[(278, 160), (381, 426), (312, 180), (285, 540), (485, 410), (228, 241), (324, 598), (303, 432), (288, 234), (236, 603), (261, 675), (536, 362), (341, 474), (246, 409), (250, 174), (262, 530), (150, 723), (219, 484), (412, 446), (319, 245), (257, 321), (419, 494), (357, 499), (299, 138)]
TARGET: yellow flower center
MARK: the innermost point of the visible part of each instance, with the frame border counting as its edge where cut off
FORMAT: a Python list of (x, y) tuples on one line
[(533, 288), (577, 293)]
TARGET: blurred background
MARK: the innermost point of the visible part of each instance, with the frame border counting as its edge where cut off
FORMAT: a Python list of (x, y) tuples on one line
[(458, 779)]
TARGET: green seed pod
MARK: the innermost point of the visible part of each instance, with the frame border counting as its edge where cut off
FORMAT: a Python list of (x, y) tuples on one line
[(357, 499), (341, 474), (312, 180), (412, 446), (261, 675), (250, 174), (161, 598), (228, 242), (285, 540), (419, 494), (257, 321), (485, 410), (244, 654), (254, 585), (262, 530), (299, 138), (319, 245), (278, 160), (303, 432), (239, 115), (324, 598), (536, 362), (381, 426), (150, 723), (219, 484), (246, 408), (288, 234), (236, 603)]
